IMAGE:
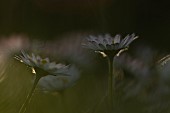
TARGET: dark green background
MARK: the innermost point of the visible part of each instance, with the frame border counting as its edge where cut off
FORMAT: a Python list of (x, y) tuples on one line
[(47, 19)]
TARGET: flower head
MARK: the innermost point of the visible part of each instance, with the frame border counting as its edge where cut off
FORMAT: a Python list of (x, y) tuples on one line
[(41, 66), (107, 43)]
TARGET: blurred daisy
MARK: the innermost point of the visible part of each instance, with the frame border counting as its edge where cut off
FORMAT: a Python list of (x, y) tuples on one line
[(163, 61), (163, 66), (108, 45), (41, 66), (58, 83)]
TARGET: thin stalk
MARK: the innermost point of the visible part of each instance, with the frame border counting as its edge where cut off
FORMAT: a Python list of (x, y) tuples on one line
[(110, 84), (63, 101), (28, 99)]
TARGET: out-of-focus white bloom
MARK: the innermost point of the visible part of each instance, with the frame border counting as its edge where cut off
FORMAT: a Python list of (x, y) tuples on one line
[(163, 66), (164, 60), (12, 44), (108, 43), (134, 66), (57, 83), (146, 78), (41, 65), (8, 46)]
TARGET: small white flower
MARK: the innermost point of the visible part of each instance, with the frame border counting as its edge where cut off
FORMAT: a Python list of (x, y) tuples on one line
[(57, 83), (41, 66), (108, 43)]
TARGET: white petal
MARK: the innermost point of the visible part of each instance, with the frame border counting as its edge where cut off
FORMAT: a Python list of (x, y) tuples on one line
[(52, 65), (27, 62), (101, 40), (117, 39), (124, 41), (24, 54), (90, 38), (109, 39), (38, 58), (131, 39), (92, 46), (59, 66), (34, 59)]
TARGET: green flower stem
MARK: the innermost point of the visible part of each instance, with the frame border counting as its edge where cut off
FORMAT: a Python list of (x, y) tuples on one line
[(63, 101), (28, 99), (110, 83)]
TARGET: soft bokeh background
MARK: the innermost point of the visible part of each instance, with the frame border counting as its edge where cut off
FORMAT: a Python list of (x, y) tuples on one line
[(55, 28)]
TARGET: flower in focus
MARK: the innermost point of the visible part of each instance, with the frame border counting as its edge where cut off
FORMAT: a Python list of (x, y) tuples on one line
[(58, 83), (41, 66), (108, 45)]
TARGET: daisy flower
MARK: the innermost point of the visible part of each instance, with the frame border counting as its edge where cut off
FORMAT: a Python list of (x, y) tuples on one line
[(108, 45), (41, 66)]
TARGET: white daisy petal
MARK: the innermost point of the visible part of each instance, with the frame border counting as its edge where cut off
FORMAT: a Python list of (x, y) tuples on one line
[(58, 66), (131, 40), (52, 65), (91, 45), (26, 61), (124, 41), (24, 54), (47, 59), (116, 39), (34, 58), (38, 58), (88, 46), (107, 39), (101, 41)]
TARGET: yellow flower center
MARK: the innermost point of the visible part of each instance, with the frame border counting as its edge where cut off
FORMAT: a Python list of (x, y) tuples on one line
[(43, 61)]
